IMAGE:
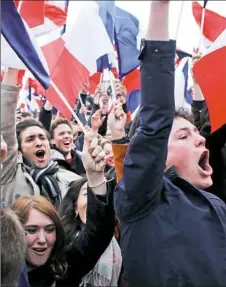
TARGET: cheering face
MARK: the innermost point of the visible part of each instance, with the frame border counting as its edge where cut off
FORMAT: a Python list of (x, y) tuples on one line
[(109, 155), (41, 237), (35, 146), (187, 152), (63, 138)]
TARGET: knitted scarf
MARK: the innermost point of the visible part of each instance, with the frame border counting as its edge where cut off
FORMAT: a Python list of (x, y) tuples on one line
[(107, 270), (46, 180)]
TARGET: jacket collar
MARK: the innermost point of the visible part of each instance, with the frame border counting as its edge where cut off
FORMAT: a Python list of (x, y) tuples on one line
[(171, 173), (53, 147)]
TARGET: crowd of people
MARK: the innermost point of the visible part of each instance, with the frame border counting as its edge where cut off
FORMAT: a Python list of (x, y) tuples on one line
[(137, 202)]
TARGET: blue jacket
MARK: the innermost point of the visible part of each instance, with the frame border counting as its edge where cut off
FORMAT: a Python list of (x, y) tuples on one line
[(172, 233)]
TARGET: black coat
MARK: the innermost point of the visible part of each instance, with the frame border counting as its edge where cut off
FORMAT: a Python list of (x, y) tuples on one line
[(86, 249), (172, 234)]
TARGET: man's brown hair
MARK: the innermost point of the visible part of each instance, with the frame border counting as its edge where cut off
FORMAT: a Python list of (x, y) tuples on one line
[(58, 122)]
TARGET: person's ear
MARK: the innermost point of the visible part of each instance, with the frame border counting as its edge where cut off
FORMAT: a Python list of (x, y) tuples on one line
[(52, 141)]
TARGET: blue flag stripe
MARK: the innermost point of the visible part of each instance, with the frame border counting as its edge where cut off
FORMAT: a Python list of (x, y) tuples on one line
[(15, 33), (126, 31)]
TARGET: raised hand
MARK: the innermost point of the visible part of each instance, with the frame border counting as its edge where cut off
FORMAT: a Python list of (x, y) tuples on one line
[(117, 121), (97, 121), (103, 103), (120, 91), (93, 158), (83, 110), (195, 57), (93, 155), (158, 24), (96, 95)]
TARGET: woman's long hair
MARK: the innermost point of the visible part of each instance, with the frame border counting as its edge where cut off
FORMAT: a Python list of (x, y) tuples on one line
[(70, 222), (22, 208)]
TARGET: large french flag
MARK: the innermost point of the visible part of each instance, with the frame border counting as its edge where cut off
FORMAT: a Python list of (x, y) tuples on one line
[(84, 41), (210, 73), (41, 16), (27, 53), (214, 24), (126, 36), (107, 15)]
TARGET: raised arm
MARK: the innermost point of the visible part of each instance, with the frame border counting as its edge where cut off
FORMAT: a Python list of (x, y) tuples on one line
[(45, 116), (145, 160), (9, 94), (92, 241)]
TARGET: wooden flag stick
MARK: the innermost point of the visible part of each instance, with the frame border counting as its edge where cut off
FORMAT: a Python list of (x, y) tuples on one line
[(68, 106), (179, 20), (112, 87), (101, 77), (201, 28), (19, 6)]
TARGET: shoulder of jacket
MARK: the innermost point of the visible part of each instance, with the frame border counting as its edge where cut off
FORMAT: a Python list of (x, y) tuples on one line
[(55, 154)]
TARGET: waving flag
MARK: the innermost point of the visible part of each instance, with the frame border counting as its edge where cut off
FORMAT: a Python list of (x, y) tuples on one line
[(210, 73), (126, 32), (214, 23), (181, 95), (107, 15), (85, 42), (42, 16), (180, 55), (133, 100), (15, 33), (33, 12)]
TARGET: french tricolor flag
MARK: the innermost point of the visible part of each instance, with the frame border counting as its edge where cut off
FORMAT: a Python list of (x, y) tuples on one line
[(41, 16), (84, 41), (210, 73), (19, 47), (214, 24)]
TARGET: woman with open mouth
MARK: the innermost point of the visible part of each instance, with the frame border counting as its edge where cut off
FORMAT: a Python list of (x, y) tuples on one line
[(49, 258)]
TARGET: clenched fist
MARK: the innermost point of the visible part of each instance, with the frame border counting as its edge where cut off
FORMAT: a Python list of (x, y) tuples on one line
[(93, 155)]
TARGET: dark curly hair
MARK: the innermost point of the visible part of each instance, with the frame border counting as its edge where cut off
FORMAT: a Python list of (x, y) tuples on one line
[(21, 126)]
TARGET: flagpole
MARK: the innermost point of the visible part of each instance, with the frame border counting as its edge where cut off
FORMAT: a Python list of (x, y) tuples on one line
[(19, 6), (112, 86), (179, 20), (202, 26), (101, 78), (82, 104), (68, 106)]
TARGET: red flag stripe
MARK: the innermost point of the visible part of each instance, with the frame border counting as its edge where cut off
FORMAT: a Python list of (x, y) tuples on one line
[(211, 78), (33, 12), (214, 23)]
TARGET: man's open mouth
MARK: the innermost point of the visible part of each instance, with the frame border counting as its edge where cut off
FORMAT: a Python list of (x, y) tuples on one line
[(67, 143), (40, 154), (204, 163)]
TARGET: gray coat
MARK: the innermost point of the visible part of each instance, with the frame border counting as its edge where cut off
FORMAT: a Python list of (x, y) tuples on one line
[(13, 180)]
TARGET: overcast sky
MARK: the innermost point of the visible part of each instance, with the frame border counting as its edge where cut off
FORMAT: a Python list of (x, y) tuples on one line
[(188, 35)]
